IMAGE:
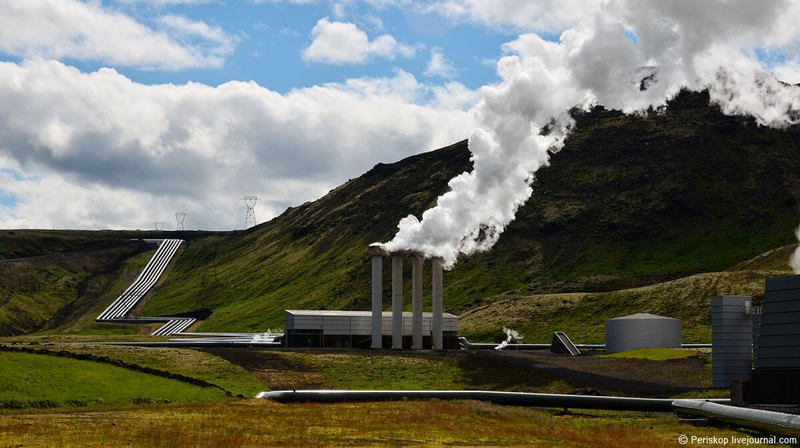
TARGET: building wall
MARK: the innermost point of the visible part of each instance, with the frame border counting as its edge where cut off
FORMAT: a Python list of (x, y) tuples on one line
[(731, 340)]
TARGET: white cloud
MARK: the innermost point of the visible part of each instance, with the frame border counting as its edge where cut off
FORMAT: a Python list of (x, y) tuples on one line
[(440, 66), (539, 16), (110, 152), (344, 43), (678, 44), (89, 32), (168, 2)]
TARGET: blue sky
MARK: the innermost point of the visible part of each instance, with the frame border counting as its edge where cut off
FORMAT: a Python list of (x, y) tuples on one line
[(269, 39), (119, 113)]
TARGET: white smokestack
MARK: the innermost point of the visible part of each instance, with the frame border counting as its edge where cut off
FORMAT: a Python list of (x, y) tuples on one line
[(626, 54)]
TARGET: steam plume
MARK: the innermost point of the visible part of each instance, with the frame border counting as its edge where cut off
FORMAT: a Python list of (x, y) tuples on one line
[(510, 336), (624, 54)]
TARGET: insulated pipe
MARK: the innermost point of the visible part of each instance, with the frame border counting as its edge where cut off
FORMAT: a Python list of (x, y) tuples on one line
[(504, 398), (436, 320), (113, 310), (416, 303), (377, 301), (397, 302), (769, 421)]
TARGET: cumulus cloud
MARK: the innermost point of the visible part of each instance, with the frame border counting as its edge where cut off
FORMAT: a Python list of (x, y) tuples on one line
[(627, 55), (440, 66), (89, 32), (344, 43), (125, 151), (541, 16)]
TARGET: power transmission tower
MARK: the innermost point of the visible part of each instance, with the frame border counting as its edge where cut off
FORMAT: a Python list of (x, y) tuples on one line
[(250, 216), (179, 216), (159, 225)]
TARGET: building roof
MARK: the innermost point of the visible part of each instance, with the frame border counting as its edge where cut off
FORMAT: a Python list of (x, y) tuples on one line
[(341, 313)]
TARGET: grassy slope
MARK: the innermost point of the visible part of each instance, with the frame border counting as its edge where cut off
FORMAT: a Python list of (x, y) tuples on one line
[(189, 363), (32, 380), (582, 315), (630, 201), (45, 292)]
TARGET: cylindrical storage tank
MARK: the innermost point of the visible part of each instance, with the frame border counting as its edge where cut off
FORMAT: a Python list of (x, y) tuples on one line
[(642, 330), (731, 340)]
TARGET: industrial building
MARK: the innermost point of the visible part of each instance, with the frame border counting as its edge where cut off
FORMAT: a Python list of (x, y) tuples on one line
[(731, 339), (776, 367), (346, 329)]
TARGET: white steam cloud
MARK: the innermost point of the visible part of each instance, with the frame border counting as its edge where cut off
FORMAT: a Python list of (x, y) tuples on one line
[(628, 55), (794, 262), (510, 336)]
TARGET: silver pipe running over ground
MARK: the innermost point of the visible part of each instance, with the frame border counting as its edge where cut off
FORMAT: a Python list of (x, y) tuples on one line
[(505, 398), (759, 419), (466, 345)]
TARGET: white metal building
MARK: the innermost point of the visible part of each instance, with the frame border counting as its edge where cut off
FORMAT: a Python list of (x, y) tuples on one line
[(324, 328)]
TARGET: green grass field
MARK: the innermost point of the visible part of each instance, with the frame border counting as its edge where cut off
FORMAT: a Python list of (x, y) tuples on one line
[(654, 354), (190, 363), (43, 381)]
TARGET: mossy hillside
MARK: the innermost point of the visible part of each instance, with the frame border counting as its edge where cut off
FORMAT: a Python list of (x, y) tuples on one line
[(629, 201), (50, 290), (582, 315)]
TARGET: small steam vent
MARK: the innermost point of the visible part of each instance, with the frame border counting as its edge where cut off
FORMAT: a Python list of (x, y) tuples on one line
[(642, 330)]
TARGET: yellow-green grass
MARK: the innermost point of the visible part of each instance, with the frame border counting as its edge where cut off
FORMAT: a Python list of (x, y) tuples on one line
[(654, 354), (43, 381), (259, 423), (185, 362)]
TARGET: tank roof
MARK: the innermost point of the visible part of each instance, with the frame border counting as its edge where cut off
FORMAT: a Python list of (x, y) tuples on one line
[(643, 316)]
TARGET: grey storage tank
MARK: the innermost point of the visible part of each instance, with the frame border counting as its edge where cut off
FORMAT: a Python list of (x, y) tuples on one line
[(642, 330), (731, 339)]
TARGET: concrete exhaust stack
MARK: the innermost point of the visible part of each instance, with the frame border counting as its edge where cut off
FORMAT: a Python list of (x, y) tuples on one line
[(437, 336), (377, 296), (416, 303), (397, 302)]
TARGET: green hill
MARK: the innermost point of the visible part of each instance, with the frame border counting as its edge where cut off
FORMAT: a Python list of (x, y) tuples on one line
[(630, 201), (59, 280)]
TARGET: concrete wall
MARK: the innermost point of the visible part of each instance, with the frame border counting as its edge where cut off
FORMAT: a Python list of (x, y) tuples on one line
[(642, 331), (731, 340)]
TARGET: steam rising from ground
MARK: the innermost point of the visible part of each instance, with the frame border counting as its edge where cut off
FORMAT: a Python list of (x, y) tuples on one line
[(510, 336), (794, 262), (627, 54)]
